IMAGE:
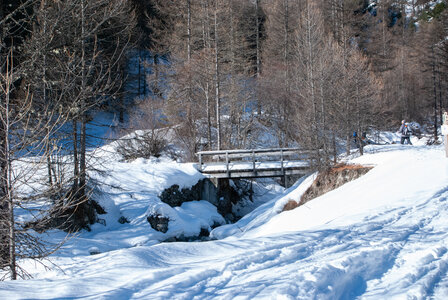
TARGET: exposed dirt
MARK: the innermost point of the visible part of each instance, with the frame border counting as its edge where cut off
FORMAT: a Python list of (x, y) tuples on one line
[(329, 180)]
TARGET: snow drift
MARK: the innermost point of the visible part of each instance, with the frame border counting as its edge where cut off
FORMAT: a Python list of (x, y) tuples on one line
[(381, 236)]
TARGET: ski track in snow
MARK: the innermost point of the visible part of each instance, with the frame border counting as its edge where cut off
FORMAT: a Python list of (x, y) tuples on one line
[(396, 252), (330, 264), (291, 260)]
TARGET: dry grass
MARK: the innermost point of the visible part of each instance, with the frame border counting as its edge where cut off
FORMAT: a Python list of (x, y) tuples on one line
[(329, 180), (332, 179), (290, 205), (341, 167)]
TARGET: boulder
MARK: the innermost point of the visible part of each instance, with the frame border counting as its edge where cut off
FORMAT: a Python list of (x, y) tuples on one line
[(158, 222)]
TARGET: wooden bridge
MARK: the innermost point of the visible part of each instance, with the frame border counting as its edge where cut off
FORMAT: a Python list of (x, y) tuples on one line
[(255, 163)]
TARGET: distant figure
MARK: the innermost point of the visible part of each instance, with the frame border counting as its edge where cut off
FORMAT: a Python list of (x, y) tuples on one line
[(355, 139), (363, 140), (405, 131)]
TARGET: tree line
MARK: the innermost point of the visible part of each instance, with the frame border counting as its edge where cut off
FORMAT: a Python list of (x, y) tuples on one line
[(313, 72), (219, 74)]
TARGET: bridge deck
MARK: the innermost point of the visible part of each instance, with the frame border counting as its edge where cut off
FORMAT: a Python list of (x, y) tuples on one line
[(253, 163)]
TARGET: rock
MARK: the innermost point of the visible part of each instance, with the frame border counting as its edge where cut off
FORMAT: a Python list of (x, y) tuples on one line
[(94, 250), (101, 221), (159, 223), (175, 197), (204, 232), (220, 193), (78, 214), (123, 220)]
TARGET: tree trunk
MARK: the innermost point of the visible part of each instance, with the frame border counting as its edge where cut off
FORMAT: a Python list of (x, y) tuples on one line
[(188, 30), (190, 120), (82, 154), (139, 61), (144, 74), (75, 157), (206, 41), (440, 92), (433, 64), (7, 203), (257, 38), (82, 157), (217, 86), (285, 111), (257, 45), (360, 129), (310, 78)]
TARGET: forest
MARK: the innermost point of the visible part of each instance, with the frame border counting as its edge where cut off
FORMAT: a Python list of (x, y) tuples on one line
[(201, 75)]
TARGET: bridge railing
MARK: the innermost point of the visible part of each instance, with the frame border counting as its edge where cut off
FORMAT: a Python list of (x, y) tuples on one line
[(229, 158)]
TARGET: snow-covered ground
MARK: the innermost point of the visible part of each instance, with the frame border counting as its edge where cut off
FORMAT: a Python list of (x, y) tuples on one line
[(382, 236)]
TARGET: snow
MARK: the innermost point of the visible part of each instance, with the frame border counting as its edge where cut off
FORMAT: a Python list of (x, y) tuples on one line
[(191, 216), (381, 236)]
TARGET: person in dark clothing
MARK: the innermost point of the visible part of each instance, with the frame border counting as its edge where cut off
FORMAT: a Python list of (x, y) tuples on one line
[(363, 140), (405, 131)]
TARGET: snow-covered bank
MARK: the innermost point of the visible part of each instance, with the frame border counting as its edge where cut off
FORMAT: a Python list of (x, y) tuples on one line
[(382, 236), (400, 174)]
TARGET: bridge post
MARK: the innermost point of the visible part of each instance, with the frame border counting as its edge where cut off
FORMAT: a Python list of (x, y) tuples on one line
[(224, 198), (209, 191), (283, 169)]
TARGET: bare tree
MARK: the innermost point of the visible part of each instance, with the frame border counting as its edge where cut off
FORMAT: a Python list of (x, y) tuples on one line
[(276, 82), (309, 51), (90, 56), (24, 146)]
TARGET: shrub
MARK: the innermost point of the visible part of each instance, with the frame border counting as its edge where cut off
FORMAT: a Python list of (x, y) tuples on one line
[(144, 145), (290, 205)]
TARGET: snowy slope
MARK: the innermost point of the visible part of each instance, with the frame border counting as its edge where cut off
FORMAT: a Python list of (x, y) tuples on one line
[(382, 236)]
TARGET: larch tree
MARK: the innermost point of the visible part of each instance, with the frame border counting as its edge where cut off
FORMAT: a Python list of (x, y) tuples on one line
[(26, 125), (183, 39), (310, 49), (276, 82), (88, 49)]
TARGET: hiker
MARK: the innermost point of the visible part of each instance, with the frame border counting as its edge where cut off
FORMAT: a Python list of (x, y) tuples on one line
[(405, 131), (363, 140), (355, 138)]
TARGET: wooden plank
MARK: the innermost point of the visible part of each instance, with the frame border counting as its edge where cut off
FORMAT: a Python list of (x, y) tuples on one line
[(242, 151), (259, 164), (224, 171), (258, 174), (244, 155)]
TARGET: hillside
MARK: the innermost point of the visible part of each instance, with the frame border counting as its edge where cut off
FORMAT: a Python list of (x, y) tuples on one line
[(382, 236)]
